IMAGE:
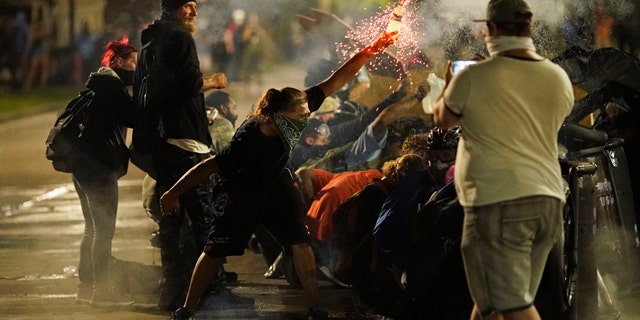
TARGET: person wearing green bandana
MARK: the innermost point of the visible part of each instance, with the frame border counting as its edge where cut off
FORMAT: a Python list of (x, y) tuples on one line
[(259, 186)]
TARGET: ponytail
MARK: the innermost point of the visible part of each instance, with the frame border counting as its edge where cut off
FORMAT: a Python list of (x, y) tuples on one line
[(273, 100)]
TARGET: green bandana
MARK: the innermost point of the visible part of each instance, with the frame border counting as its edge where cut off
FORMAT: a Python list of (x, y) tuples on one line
[(290, 130)]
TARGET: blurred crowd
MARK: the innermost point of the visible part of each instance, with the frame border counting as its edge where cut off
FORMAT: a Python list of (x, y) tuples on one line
[(242, 45), (377, 208)]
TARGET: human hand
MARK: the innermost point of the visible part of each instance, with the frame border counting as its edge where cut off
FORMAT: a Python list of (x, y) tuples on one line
[(405, 87), (169, 204), (422, 91), (409, 102), (382, 43), (218, 81), (478, 57), (449, 72), (402, 90)]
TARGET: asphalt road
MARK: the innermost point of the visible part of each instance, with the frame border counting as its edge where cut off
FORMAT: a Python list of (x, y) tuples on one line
[(41, 227), (39, 249)]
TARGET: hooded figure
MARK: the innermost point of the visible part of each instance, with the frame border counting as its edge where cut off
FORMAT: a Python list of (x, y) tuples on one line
[(104, 159), (174, 99)]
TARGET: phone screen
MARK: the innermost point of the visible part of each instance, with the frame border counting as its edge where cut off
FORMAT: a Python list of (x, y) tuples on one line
[(459, 65)]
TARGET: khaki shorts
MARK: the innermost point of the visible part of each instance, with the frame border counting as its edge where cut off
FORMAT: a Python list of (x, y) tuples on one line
[(505, 248)]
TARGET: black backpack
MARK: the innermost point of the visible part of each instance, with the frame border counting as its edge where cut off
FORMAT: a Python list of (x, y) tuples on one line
[(147, 129), (69, 134)]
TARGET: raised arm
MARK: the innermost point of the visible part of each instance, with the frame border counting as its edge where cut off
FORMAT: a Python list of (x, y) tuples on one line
[(442, 116), (170, 200), (349, 69), (398, 110)]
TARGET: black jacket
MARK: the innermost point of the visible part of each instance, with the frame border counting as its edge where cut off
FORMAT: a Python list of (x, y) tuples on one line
[(175, 81), (111, 113)]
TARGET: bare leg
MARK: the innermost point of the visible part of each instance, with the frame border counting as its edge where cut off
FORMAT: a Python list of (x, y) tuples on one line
[(204, 272), (530, 313), (475, 314), (305, 263)]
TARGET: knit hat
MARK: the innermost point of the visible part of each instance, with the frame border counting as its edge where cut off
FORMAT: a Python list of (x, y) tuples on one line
[(507, 11), (170, 5)]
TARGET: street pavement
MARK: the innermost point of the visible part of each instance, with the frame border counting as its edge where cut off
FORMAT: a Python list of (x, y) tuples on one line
[(39, 249), (41, 226)]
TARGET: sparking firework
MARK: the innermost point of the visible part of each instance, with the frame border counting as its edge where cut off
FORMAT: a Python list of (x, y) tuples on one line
[(401, 18)]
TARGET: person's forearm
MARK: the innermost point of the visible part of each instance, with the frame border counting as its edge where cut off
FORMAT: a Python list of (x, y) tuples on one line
[(365, 148), (438, 116), (346, 72), (398, 110), (351, 68), (344, 132), (195, 176), (387, 117), (442, 117), (374, 111), (378, 129)]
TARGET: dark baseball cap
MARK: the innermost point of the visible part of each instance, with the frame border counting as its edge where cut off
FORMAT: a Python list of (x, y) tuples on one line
[(507, 11)]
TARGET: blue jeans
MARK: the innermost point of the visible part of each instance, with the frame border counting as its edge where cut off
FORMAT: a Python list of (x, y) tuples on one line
[(97, 188)]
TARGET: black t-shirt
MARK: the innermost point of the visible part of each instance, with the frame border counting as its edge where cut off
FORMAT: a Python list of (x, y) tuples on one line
[(252, 159), (315, 98)]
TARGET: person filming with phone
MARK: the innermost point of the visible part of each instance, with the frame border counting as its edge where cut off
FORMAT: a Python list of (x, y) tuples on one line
[(510, 107), (459, 65)]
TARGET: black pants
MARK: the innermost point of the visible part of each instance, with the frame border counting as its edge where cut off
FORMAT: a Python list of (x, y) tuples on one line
[(178, 260), (97, 188)]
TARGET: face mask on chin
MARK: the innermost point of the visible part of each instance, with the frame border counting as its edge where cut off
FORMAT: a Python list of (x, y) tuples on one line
[(126, 76)]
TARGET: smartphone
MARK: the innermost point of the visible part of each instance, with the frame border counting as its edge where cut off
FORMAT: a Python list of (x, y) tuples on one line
[(459, 65)]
